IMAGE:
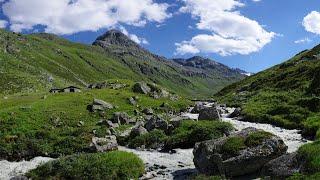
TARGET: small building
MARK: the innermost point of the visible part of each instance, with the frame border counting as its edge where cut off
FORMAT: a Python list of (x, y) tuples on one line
[(70, 89), (55, 90)]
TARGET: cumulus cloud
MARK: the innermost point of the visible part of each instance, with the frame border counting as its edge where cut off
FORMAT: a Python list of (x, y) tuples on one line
[(3, 24), (303, 41), (72, 16), (311, 22), (133, 37), (230, 32)]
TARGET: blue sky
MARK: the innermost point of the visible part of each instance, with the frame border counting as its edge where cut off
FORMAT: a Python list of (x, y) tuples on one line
[(283, 27)]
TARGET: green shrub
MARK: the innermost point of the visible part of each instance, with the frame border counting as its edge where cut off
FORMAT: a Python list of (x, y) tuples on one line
[(191, 132), (311, 153), (149, 140), (112, 165), (299, 176), (256, 138), (233, 145)]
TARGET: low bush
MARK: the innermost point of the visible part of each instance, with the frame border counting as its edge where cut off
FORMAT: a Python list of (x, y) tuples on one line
[(311, 153), (150, 140), (233, 145), (256, 138), (191, 132), (112, 165)]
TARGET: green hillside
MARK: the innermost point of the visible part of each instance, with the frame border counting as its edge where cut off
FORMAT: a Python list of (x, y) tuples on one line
[(38, 62), (286, 95)]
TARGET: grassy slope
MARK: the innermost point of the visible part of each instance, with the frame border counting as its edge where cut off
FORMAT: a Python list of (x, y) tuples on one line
[(286, 95), (32, 126), (28, 62)]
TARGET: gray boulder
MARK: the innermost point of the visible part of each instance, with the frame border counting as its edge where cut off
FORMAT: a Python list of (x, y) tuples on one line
[(235, 113), (142, 88), (198, 107), (109, 143), (210, 113), (132, 101), (121, 118), (148, 111), (211, 158), (283, 166), (100, 105), (138, 131), (176, 121), (156, 122)]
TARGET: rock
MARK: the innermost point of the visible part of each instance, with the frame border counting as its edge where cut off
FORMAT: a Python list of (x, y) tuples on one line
[(142, 88), (235, 113), (176, 121), (107, 123), (132, 101), (99, 105), (283, 167), (121, 118), (138, 131), (156, 122), (106, 144), (210, 113), (198, 107), (148, 111), (212, 159), (80, 123)]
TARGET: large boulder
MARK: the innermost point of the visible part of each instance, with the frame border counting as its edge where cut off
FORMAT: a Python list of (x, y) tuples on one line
[(235, 113), (198, 107), (99, 105), (283, 166), (142, 88), (109, 143), (156, 122), (210, 113), (138, 131), (243, 153), (148, 111), (121, 118)]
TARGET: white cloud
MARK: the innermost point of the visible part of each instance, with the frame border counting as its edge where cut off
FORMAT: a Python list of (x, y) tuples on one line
[(230, 32), (256, 0), (72, 16), (133, 37), (302, 41), (311, 22), (3, 24)]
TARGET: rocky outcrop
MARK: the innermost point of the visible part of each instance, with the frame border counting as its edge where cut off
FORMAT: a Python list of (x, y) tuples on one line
[(121, 118), (99, 105), (210, 113), (198, 107), (156, 122), (283, 166), (141, 88), (212, 158), (138, 131), (109, 143), (235, 113)]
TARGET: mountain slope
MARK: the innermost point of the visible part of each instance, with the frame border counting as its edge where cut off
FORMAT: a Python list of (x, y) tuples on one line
[(286, 95), (38, 62)]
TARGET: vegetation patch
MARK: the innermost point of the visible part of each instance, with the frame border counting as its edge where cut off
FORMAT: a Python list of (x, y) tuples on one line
[(256, 138), (112, 165), (191, 132), (149, 140), (311, 153), (233, 145)]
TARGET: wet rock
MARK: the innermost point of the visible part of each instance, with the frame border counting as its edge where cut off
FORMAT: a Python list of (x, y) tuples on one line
[(235, 113), (156, 122), (283, 166), (210, 113), (210, 157), (198, 107), (106, 144), (142, 88)]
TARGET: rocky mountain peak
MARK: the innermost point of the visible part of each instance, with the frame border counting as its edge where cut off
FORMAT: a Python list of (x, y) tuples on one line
[(115, 38)]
